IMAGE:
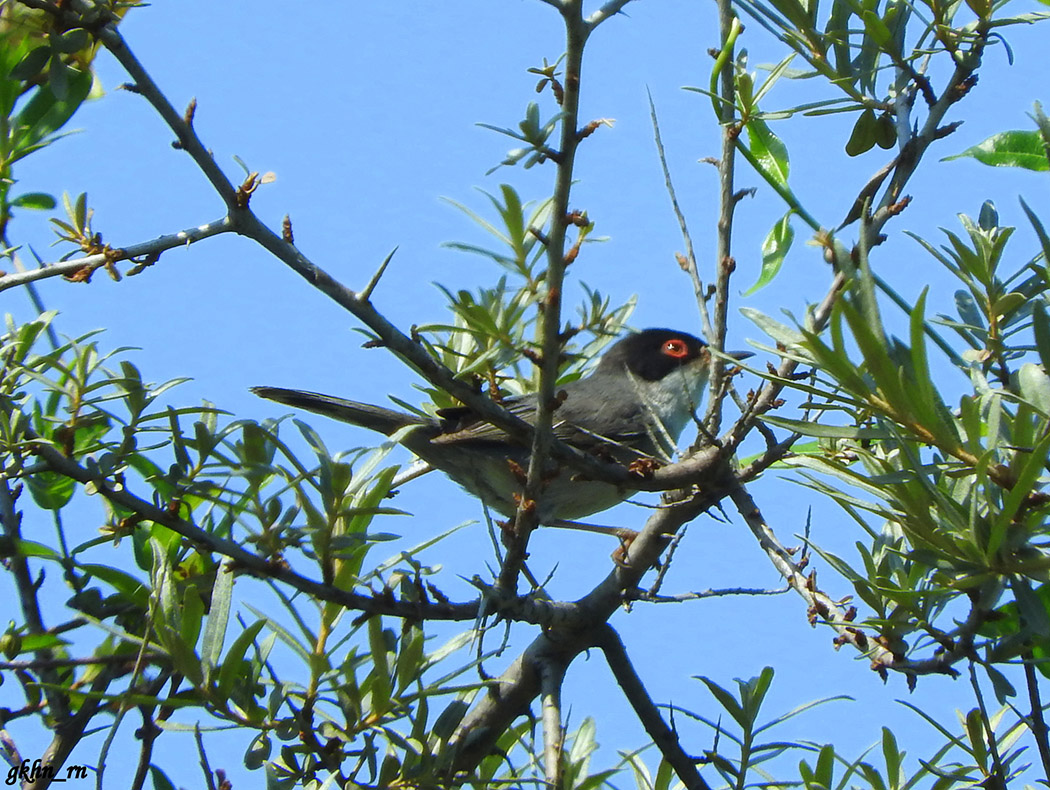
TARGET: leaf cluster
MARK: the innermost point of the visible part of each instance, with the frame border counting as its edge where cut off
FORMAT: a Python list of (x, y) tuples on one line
[(957, 494)]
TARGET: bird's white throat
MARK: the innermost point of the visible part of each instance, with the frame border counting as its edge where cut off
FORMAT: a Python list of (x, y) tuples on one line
[(672, 400)]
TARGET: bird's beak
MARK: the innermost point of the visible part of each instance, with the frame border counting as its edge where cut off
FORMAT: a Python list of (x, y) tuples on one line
[(739, 355)]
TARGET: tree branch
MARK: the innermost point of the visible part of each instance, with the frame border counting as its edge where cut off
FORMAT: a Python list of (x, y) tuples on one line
[(724, 263), (18, 564), (510, 695), (1037, 723), (70, 732), (665, 739), (246, 561), (146, 249), (550, 337)]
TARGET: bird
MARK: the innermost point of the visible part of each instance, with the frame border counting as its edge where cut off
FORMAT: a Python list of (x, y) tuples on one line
[(632, 407)]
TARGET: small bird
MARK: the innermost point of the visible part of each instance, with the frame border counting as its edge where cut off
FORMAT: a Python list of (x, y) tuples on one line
[(634, 406)]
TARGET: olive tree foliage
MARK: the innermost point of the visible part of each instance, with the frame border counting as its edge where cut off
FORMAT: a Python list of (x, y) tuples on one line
[(337, 683)]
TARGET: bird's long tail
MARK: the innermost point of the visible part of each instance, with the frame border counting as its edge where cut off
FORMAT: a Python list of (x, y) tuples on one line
[(375, 418)]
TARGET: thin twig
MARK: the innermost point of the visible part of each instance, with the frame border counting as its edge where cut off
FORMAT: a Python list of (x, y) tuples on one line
[(690, 267), (665, 739), (18, 564), (9, 748), (549, 331), (147, 733), (571, 631), (67, 268), (1038, 723), (209, 778), (650, 597), (179, 123), (728, 26), (998, 773), (820, 605), (71, 732)]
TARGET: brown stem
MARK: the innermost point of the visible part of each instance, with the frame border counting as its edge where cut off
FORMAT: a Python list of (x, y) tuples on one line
[(550, 340), (727, 204)]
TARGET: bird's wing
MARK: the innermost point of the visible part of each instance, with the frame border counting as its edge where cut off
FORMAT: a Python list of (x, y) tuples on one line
[(460, 424)]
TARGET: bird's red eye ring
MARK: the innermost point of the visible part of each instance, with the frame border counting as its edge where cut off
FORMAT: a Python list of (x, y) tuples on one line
[(677, 348)]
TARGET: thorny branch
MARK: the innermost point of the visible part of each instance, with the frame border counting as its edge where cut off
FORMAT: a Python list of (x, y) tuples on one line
[(576, 32), (149, 251), (723, 260)]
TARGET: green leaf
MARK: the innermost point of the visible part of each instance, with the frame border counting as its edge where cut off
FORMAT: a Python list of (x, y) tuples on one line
[(258, 753), (826, 431), (30, 548), (381, 666), (877, 30), (35, 200), (45, 114), (51, 490), (59, 77), (885, 132), (1033, 610), (160, 779), (1003, 688), (975, 732), (782, 333), (1009, 149), (967, 307), (410, 658), (774, 250), (1041, 325), (769, 151), (727, 701), (1008, 303), (31, 64), (1035, 387), (232, 662), (1030, 471), (864, 135), (122, 582), (71, 41), (892, 755), (192, 615), (218, 619), (825, 766), (448, 720), (1040, 231)]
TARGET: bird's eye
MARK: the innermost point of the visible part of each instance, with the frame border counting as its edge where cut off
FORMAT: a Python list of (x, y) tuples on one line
[(676, 348)]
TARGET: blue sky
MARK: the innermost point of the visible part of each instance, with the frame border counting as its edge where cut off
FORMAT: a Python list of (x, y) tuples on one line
[(368, 117)]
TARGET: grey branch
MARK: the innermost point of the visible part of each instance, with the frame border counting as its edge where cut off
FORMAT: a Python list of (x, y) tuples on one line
[(665, 739), (67, 268), (552, 673)]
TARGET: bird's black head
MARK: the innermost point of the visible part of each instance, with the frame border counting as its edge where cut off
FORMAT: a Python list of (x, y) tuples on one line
[(652, 353)]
